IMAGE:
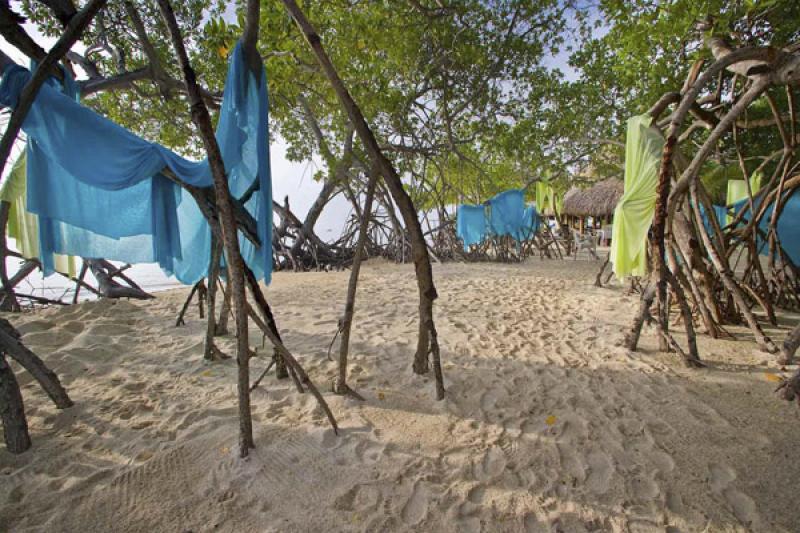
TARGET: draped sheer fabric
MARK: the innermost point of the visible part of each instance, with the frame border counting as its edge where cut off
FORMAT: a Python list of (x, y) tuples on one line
[(787, 227), (505, 214), (23, 226), (99, 191), (634, 212), (471, 224)]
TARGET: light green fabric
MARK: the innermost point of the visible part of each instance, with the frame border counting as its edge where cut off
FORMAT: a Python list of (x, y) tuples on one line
[(545, 197), (634, 212), (23, 226), (737, 190), (755, 182)]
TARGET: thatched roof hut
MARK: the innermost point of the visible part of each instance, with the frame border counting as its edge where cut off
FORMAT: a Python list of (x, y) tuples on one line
[(597, 201)]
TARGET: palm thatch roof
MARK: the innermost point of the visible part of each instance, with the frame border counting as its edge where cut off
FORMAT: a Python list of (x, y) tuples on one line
[(597, 201)]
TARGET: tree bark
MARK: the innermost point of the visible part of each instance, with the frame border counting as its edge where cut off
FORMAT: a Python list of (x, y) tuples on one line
[(341, 386), (270, 329), (225, 312), (10, 345), (110, 288), (790, 346), (202, 120), (427, 290), (659, 229), (180, 321), (209, 353), (12, 410), (631, 341), (9, 301), (73, 31)]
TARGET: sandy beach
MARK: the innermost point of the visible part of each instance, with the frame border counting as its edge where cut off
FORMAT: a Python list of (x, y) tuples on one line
[(548, 425)]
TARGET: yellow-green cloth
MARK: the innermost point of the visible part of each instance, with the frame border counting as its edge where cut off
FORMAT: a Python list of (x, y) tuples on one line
[(545, 197), (634, 212), (23, 226), (737, 190)]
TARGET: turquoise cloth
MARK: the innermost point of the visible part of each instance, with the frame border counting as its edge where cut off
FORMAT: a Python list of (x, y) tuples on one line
[(99, 192), (506, 213), (507, 216), (471, 224), (788, 226), (721, 212), (530, 224)]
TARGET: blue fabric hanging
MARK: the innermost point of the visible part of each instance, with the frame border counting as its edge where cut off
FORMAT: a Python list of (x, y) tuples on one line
[(507, 211), (471, 224), (99, 192), (720, 213), (530, 224), (788, 226)]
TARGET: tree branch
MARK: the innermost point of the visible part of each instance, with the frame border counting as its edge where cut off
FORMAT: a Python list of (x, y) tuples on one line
[(74, 29)]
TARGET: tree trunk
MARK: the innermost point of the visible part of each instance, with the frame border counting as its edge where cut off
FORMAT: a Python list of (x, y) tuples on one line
[(180, 321), (11, 346), (209, 351), (674, 278), (632, 338), (790, 346), (79, 281), (341, 386), (110, 288), (9, 301), (658, 231), (12, 411), (202, 121), (427, 290), (281, 371), (312, 216), (726, 276), (225, 312), (270, 329)]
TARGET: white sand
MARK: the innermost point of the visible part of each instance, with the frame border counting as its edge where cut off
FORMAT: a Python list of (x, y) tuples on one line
[(635, 441)]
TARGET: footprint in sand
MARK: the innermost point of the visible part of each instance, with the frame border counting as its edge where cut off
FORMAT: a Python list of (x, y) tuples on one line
[(476, 494), (359, 498), (492, 465), (663, 462), (415, 509), (707, 416), (644, 488), (571, 464), (601, 469), (744, 508), (54, 337)]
